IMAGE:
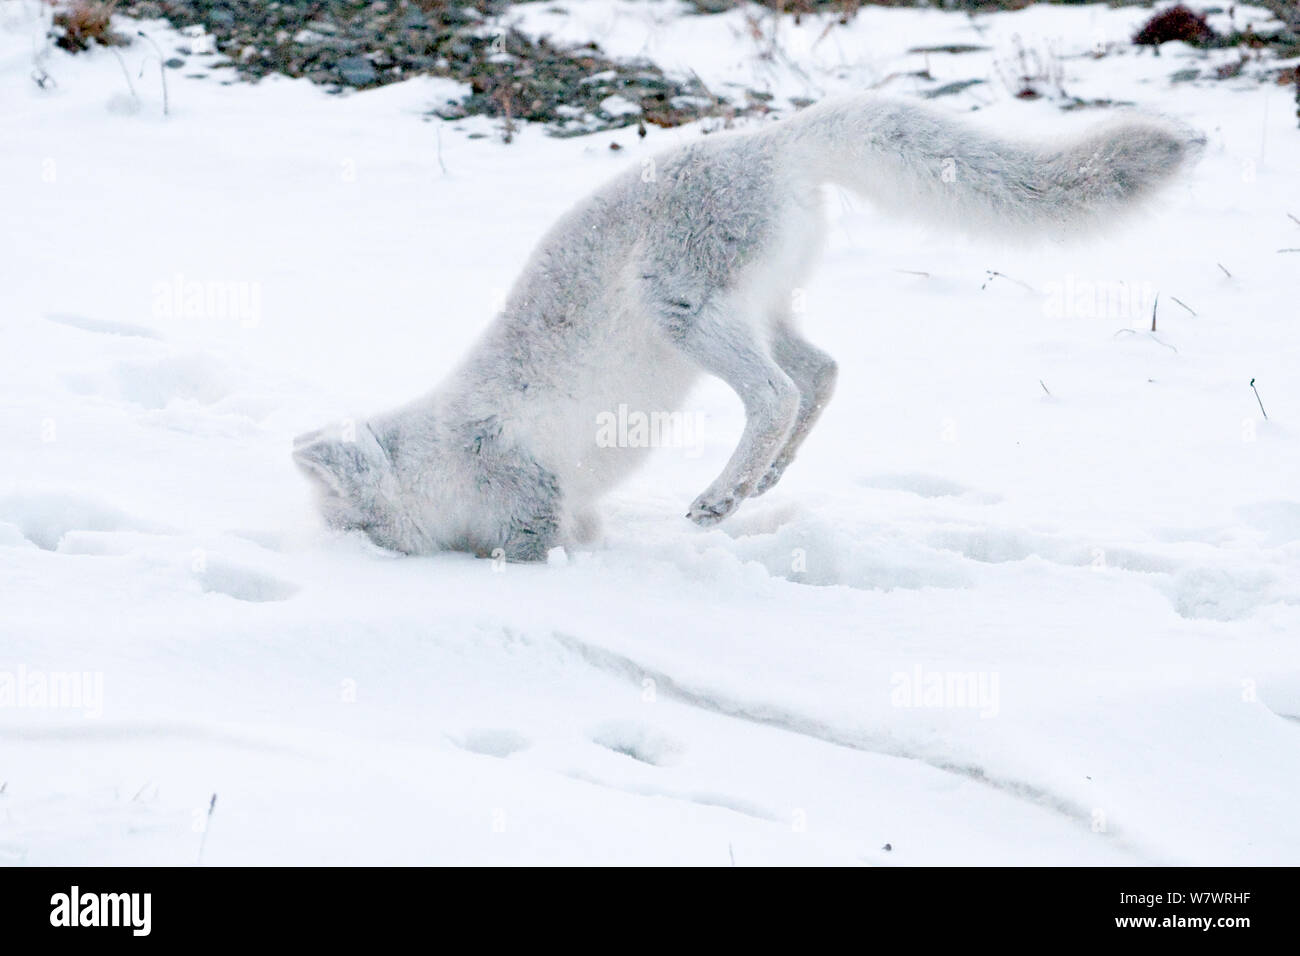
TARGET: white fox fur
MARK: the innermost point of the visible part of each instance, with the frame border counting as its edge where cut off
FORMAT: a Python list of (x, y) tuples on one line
[(657, 278)]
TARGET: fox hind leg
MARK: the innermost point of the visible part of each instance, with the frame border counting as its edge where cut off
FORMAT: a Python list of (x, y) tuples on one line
[(813, 373), (725, 344)]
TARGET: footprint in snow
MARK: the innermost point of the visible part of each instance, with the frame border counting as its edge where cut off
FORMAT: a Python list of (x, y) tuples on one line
[(156, 383), (1002, 545), (925, 486), (640, 742), (43, 519), (102, 326), (243, 583), (1217, 594), (928, 486), (492, 742), (994, 545)]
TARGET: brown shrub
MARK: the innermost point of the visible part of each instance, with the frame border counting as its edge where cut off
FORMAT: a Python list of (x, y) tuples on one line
[(81, 22), (1176, 23)]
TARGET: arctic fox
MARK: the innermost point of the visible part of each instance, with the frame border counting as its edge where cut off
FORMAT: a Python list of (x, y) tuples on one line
[(658, 277)]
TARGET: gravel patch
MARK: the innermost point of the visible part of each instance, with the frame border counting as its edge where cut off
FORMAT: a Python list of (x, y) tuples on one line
[(343, 45)]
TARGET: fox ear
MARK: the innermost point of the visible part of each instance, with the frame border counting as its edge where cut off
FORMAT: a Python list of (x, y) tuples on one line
[(339, 465)]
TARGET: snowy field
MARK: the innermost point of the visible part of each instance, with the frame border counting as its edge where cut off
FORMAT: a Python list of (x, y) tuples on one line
[(1030, 594)]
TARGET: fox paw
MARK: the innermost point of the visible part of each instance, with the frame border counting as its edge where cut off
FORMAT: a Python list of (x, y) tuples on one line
[(709, 509)]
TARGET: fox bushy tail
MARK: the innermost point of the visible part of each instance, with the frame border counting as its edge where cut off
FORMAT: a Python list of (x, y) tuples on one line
[(929, 165)]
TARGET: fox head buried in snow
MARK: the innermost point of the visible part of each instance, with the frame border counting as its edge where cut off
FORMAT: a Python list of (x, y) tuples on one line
[(355, 482)]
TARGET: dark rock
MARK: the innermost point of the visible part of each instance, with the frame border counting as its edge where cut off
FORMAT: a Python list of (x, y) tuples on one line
[(357, 71), (948, 89), (954, 48)]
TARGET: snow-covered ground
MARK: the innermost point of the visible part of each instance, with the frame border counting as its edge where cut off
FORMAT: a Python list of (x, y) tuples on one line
[(1031, 594)]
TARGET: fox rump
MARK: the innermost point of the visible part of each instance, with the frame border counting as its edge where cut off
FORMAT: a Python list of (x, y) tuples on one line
[(656, 279)]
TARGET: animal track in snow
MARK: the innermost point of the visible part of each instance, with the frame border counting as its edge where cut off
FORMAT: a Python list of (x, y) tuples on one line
[(11, 536), (45, 518), (1216, 594), (156, 383), (1001, 545), (269, 540), (861, 739), (719, 801), (492, 742), (244, 584), (1196, 591), (101, 543), (102, 326), (818, 551), (640, 742), (925, 486), (992, 545)]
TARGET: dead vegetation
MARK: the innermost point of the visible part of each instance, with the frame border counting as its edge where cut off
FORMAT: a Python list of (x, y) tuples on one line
[(81, 23), (1176, 23)]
